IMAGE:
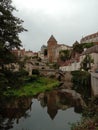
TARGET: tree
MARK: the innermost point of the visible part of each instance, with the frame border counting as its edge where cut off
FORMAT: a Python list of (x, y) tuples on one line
[(10, 27), (5, 56), (65, 55), (77, 48), (86, 63), (88, 45)]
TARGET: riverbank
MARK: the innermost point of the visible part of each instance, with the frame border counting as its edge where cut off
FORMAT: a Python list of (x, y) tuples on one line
[(82, 84), (39, 84), (90, 117)]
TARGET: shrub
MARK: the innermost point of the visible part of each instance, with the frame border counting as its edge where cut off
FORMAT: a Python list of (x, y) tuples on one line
[(82, 83), (13, 79), (32, 78), (35, 71)]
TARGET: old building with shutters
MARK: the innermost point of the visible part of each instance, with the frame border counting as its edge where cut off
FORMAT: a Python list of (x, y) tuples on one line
[(92, 38)]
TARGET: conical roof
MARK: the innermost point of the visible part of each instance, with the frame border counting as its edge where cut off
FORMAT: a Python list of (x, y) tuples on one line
[(76, 43), (52, 39)]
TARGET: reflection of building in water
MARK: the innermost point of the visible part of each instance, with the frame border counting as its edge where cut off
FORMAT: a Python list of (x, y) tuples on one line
[(52, 112), (56, 100), (43, 99), (52, 101)]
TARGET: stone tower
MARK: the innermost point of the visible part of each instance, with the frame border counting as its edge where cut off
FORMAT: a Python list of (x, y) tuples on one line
[(52, 43)]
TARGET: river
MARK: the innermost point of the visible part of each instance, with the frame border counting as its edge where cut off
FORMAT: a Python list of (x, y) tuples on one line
[(46, 111)]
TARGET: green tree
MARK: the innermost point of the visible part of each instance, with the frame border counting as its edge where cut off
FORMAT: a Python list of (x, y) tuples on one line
[(10, 27), (64, 55), (86, 63), (88, 45), (77, 48)]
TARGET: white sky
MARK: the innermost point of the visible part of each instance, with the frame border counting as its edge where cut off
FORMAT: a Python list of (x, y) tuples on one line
[(67, 20)]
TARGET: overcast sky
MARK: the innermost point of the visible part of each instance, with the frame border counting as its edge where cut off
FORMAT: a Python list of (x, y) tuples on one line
[(67, 20)]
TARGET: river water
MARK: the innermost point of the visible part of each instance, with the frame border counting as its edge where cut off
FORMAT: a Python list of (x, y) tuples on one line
[(46, 111)]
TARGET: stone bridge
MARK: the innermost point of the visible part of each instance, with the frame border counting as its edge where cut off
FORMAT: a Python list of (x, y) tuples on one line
[(94, 84), (47, 72)]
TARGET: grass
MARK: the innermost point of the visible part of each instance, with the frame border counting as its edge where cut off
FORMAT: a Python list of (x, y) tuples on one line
[(40, 85)]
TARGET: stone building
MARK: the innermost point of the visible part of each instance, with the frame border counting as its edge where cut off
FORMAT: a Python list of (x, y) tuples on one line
[(29, 53), (54, 48), (43, 48), (19, 52), (90, 38), (93, 52), (52, 44), (76, 64)]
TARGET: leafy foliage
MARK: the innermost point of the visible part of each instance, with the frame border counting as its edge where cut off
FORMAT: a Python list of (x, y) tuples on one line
[(90, 117), (9, 79), (6, 56), (79, 48), (64, 55), (35, 71), (82, 84), (40, 84), (55, 66), (88, 45), (86, 63), (10, 27)]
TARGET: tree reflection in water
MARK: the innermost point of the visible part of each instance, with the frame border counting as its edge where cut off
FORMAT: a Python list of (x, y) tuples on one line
[(13, 110)]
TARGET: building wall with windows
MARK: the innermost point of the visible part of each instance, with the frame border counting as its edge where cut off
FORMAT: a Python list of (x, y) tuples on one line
[(75, 65), (54, 48), (90, 38)]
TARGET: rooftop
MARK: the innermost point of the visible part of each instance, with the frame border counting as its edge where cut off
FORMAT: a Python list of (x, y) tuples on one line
[(52, 39)]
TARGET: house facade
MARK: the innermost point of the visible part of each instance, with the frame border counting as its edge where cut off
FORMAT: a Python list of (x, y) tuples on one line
[(54, 48), (19, 52), (92, 38), (75, 64), (29, 53), (93, 52)]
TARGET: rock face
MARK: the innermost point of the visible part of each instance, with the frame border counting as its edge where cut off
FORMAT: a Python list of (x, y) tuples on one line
[(66, 90), (74, 95), (67, 81), (67, 85)]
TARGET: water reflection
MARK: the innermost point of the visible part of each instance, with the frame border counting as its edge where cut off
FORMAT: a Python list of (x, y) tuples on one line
[(27, 113), (56, 101), (13, 109)]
